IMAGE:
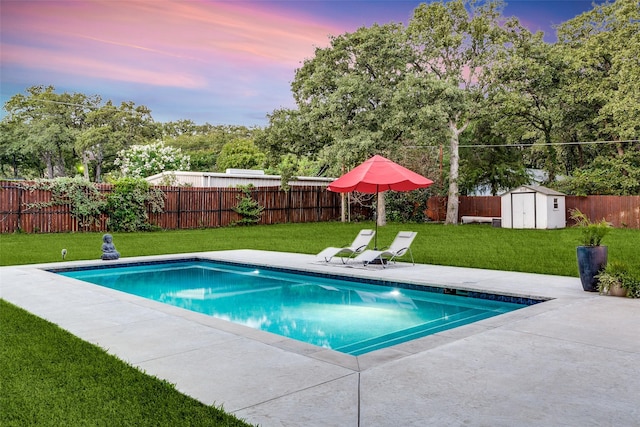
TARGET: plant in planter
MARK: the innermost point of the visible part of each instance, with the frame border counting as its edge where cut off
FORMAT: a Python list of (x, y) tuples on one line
[(592, 256), (616, 279), (612, 278)]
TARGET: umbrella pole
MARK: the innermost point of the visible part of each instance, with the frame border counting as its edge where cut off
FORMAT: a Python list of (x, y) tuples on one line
[(375, 217)]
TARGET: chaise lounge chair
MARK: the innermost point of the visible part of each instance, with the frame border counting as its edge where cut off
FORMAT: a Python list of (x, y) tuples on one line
[(400, 246), (359, 244)]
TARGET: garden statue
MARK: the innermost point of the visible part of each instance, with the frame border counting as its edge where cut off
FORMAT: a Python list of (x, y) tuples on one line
[(108, 248)]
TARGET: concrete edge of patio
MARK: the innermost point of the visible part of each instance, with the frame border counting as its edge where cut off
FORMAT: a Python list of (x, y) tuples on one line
[(271, 380)]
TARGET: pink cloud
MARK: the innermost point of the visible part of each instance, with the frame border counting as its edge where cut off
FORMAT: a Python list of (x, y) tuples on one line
[(69, 63), (181, 44)]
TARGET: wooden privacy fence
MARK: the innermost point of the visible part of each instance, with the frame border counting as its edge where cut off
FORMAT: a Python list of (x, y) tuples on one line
[(190, 207), (488, 206), (185, 207), (620, 211)]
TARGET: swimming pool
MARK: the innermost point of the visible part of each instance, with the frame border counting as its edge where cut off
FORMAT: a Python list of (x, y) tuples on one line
[(349, 315)]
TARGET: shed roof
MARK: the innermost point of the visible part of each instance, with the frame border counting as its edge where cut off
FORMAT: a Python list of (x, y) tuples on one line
[(537, 189)]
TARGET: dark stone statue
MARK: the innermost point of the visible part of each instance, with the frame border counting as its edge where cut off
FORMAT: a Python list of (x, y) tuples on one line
[(108, 248)]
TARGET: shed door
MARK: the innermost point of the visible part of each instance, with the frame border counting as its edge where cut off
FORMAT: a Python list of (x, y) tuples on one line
[(523, 210)]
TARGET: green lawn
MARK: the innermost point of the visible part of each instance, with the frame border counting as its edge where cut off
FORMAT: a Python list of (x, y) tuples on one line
[(52, 378), (49, 377), (481, 246)]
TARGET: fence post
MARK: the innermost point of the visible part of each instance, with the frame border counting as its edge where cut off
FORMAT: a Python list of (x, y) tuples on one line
[(20, 192), (179, 207), (219, 206)]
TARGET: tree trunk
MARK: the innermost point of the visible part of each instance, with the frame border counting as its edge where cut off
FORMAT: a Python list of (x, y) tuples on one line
[(85, 165), (58, 168), (15, 166), (46, 156), (57, 159), (98, 156), (381, 217), (452, 201), (98, 172)]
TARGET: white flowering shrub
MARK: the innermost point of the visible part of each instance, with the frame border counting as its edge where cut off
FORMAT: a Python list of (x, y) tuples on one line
[(140, 161)]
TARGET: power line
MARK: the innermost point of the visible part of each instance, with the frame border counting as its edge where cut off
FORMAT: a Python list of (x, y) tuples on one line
[(528, 145), (551, 143)]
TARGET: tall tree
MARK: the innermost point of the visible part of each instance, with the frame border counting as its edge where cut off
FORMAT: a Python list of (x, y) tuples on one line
[(619, 175), (15, 160), (49, 122), (109, 129), (203, 143), (93, 140), (457, 45), (527, 84), (603, 49), (487, 162), (290, 133), (345, 94), (241, 154)]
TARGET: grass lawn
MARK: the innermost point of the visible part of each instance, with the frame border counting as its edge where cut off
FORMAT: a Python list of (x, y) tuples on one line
[(49, 377), (480, 246), (52, 378)]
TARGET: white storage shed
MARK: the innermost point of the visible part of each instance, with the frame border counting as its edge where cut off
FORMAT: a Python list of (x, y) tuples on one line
[(533, 206)]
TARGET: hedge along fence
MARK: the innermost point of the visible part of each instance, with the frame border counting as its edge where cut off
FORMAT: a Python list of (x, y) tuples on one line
[(185, 207)]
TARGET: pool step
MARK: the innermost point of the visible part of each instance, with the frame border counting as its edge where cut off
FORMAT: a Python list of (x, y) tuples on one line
[(422, 330)]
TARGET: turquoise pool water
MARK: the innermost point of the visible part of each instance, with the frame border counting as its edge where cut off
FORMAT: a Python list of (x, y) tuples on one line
[(352, 317)]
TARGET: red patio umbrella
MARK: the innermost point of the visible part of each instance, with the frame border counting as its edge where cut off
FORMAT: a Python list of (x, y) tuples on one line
[(379, 174)]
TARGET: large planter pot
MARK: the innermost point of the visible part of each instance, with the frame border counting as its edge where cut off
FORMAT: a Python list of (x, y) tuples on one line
[(591, 259)]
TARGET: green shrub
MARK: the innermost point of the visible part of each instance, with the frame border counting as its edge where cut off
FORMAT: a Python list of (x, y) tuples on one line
[(249, 209), (406, 206), (129, 202), (631, 282), (240, 154), (139, 161)]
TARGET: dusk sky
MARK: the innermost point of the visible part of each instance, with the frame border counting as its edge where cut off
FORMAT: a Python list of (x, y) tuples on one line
[(221, 62)]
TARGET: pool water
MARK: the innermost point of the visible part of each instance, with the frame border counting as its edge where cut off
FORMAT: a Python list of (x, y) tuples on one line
[(351, 317)]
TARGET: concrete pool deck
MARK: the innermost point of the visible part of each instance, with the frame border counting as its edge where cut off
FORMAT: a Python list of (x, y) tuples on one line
[(573, 360)]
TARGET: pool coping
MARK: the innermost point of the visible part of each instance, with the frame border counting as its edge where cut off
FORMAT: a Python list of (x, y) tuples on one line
[(388, 284), (297, 376), (396, 272)]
